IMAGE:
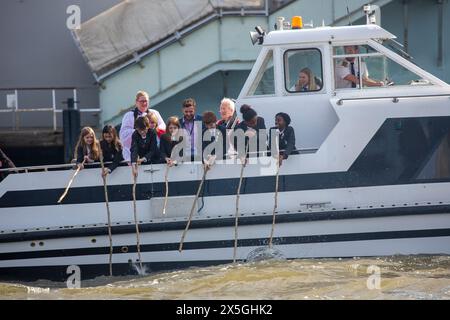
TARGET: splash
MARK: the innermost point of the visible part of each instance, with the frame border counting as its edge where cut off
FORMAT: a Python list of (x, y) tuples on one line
[(265, 253), (144, 271)]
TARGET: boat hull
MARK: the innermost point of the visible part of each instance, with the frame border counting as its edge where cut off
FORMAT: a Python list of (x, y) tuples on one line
[(301, 234)]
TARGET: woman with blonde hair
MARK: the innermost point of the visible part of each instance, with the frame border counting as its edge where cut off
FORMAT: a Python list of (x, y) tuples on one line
[(306, 81), (87, 149), (155, 125)]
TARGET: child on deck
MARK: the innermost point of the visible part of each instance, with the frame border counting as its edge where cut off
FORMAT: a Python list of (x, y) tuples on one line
[(169, 140), (111, 149), (286, 138), (213, 134), (87, 149), (143, 144), (251, 126)]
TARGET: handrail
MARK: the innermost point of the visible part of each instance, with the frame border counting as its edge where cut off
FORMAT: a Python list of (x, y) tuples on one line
[(394, 98), (48, 88), (15, 110), (71, 165)]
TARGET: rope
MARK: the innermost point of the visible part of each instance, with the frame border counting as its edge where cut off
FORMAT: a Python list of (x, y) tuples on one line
[(109, 217), (167, 189), (238, 194), (71, 181), (138, 242), (205, 170), (275, 206)]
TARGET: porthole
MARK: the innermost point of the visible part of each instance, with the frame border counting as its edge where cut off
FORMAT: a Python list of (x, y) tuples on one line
[(41, 243), (33, 244), (93, 240), (124, 249)]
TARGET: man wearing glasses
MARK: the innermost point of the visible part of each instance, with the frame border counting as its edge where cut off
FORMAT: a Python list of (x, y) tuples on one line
[(127, 128)]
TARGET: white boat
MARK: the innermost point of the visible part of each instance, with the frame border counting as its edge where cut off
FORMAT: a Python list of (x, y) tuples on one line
[(372, 177)]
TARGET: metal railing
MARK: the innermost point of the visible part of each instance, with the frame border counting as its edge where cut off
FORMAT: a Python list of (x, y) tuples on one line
[(46, 168), (53, 109)]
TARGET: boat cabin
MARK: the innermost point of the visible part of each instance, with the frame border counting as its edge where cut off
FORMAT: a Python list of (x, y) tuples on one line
[(324, 51)]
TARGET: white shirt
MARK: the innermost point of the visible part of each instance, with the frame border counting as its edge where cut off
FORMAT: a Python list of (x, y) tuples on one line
[(127, 129), (343, 69)]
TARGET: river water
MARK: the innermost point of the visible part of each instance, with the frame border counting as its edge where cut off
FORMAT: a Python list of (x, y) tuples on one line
[(396, 277)]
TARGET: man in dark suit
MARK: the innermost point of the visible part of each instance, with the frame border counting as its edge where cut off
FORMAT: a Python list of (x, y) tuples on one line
[(193, 125)]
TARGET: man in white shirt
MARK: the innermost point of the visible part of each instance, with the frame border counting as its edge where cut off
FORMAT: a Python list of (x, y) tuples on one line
[(127, 127), (348, 72)]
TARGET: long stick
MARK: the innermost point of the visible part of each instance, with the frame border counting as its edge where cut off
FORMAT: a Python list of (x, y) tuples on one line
[(71, 181), (238, 195), (167, 189), (205, 170), (138, 236), (10, 163), (109, 217), (275, 206)]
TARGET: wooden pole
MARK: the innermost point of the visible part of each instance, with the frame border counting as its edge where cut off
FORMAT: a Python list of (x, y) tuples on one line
[(138, 237), (108, 212), (238, 195), (10, 163), (275, 206), (205, 170), (167, 188), (71, 181)]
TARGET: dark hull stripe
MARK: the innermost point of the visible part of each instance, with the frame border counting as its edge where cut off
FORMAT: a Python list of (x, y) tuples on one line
[(218, 222), (221, 244), (212, 188), (58, 273)]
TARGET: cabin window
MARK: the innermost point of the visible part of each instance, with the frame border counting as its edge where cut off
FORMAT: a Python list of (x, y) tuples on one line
[(264, 83), (361, 66), (303, 70)]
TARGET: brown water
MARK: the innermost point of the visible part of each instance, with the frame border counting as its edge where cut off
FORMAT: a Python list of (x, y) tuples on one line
[(400, 277)]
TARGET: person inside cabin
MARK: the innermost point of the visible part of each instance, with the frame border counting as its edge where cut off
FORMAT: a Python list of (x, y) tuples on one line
[(348, 72), (213, 134), (144, 147), (154, 126), (286, 140), (307, 81), (169, 140), (111, 149), (228, 114), (87, 149), (192, 124), (251, 125), (142, 103)]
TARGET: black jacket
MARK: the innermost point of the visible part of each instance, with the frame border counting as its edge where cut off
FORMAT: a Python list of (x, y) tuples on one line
[(111, 154), (260, 125), (228, 124), (81, 152), (286, 142), (166, 146), (147, 147), (221, 134)]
